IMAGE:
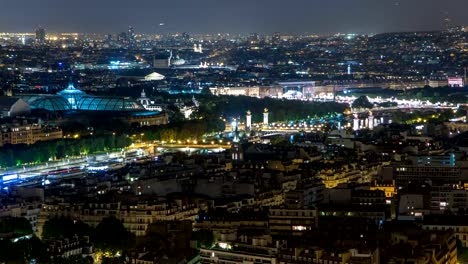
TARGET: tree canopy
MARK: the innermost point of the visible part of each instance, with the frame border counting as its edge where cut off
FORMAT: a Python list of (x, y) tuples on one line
[(43, 151), (19, 226), (62, 227), (111, 236), (362, 102), (280, 109)]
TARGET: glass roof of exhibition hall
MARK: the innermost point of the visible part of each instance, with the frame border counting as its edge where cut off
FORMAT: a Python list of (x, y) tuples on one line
[(100, 103), (50, 102), (71, 90)]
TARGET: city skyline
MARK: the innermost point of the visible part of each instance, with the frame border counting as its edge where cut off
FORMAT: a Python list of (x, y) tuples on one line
[(208, 16)]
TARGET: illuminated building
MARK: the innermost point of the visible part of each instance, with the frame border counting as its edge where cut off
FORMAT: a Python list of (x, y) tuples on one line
[(269, 199), (309, 194), (70, 247), (332, 178), (303, 89), (434, 160), (149, 118), (154, 77), (455, 82), (289, 221), (449, 198), (136, 218), (72, 95), (388, 188), (72, 99), (112, 65), (147, 103), (405, 174), (28, 134), (197, 48), (253, 91), (260, 250), (459, 224), (107, 103), (130, 35), (457, 126), (177, 62), (437, 83), (237, 152), (318, 255), (426, 247)]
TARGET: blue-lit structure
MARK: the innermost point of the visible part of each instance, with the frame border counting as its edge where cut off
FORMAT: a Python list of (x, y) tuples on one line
[(54, 103), (74, 99), (116, 104), (72, 95)]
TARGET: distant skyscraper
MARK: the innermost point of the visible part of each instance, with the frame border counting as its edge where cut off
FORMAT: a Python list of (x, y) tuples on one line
[(122, 37), (447, 22), (109, 38), (131, 35), (40, 35), (254, 38), (185, 36), (131, 32), (276, 38)]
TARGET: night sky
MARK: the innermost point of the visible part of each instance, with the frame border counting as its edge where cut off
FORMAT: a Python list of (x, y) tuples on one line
[(234, 16)]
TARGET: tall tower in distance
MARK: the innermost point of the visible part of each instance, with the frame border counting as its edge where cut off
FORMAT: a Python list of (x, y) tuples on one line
[(40, 35), (131, 35), (265, 118), (276, 39), (248, 123), (349, 69), (370, 121), (447, 22), (355, 122)]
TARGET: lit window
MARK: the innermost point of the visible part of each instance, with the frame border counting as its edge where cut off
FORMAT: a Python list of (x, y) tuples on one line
[(299, 228)]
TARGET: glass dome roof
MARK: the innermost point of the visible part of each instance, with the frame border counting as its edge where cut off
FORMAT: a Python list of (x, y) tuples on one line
[(97, 103), (51, 103), (28, 98), (72, 95)]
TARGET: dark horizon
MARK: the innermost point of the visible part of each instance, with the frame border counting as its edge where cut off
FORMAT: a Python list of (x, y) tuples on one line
[(239, 17)]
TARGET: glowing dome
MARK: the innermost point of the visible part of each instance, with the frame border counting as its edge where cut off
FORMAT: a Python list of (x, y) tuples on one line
[(178, 62), (50, 103), (72, 95)]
